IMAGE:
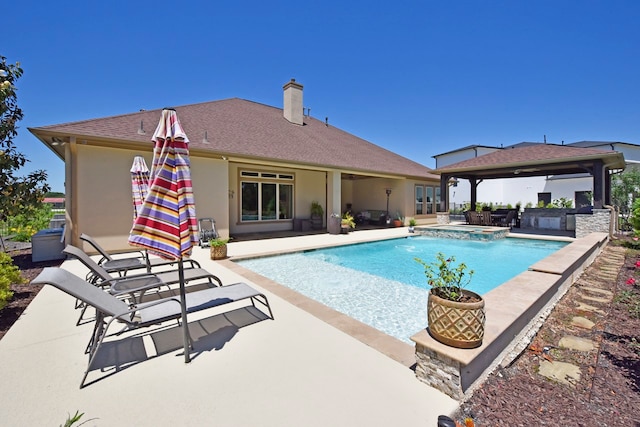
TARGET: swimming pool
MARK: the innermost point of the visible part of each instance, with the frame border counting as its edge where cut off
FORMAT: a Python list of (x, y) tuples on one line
[(380, 284)]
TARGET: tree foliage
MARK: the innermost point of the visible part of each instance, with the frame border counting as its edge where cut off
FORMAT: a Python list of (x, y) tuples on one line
[(18, 194), (625, 189)]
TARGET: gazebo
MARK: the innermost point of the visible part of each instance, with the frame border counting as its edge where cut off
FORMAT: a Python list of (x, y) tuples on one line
[(536, 160)]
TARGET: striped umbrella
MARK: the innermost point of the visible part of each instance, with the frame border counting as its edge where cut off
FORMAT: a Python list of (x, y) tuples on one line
[(139, 183), (167, 223)]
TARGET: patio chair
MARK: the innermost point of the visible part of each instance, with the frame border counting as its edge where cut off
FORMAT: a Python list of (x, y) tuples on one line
[(110, 309), (485, 218), (474, 218), (122, 265), (506, 221), (137, 286)]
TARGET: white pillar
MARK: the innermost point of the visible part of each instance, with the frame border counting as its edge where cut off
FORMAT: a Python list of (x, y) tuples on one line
[(334, 193)]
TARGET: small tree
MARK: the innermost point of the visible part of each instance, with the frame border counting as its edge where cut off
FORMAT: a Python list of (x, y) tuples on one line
[(625, 189), (18, 195)]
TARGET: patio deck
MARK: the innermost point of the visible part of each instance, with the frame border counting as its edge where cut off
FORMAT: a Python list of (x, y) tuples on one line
[(294, 370)]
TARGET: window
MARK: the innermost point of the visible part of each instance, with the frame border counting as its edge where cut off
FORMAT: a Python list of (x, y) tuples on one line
[(582, 198), (545, 198), (427, 199), (266, 196), (419, 200)]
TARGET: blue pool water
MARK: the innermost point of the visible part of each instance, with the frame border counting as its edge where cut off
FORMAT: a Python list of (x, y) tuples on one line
[(382, 285)]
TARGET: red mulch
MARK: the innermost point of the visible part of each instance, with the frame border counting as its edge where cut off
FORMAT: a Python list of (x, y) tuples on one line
[(608, 393)]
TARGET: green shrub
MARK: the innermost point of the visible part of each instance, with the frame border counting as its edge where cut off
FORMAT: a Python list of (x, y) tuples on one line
[(24, 226), (634, 219), (9, 274)]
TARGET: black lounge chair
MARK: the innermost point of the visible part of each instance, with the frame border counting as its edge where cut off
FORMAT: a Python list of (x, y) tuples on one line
[(109, 308)]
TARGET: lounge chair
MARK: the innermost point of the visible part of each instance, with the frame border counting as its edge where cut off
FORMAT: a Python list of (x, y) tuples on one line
[(139, 287), (101, 277), (123, 265), (110, 309)]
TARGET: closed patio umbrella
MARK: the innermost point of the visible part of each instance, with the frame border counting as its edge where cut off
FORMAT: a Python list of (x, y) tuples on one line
[(139, 183), (166, 223)]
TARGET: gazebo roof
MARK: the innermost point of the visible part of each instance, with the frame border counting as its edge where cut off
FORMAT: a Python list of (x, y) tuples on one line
[(534, 160)]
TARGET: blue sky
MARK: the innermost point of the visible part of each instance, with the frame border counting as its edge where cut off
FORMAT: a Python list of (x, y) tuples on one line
[(416, 77)]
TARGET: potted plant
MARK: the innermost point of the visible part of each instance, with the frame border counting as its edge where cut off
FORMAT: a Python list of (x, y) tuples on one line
[(317, 212), (218, 248), (398, 221), (412, 224), (347, 222), (456, 315)]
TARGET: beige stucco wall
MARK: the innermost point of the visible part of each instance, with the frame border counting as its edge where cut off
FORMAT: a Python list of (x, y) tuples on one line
[(370, 193), (103, 204), (104, 207), (210, 181)]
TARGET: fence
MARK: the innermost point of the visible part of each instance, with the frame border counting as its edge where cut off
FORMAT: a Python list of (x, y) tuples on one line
[(5, 228)]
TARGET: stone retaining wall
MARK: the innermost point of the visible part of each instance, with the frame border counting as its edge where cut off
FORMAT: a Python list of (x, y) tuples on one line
[(599, 221)]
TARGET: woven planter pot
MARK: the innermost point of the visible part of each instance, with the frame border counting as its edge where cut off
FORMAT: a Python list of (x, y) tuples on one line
[(458, 324), (219, 252)]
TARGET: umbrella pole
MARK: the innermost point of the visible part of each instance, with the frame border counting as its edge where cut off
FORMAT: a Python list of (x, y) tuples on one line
[(183, 306)]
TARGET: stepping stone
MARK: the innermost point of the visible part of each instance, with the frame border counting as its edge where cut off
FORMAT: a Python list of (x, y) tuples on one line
[(562, 372), (595, 299), (587, 307), (582, 322), (576, 343), (602, 292)]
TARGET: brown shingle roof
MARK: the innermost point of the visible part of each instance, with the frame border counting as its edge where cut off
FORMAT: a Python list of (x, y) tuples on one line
[(237, 127), (535, 155)]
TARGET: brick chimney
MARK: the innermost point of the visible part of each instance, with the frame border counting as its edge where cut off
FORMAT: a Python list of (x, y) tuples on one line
[(293, 102)]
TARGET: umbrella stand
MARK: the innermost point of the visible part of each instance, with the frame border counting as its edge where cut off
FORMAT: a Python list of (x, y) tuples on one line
[(183, 307)]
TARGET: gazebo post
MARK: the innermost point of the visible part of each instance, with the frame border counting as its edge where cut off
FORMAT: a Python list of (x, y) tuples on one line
[(598, 184), (444, 192), (474, 193)]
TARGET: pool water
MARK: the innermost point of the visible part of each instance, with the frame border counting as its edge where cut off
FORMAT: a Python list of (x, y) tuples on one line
[(381, 284)]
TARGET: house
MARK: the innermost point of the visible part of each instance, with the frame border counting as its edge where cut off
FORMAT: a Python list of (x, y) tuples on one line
[(255, 168), (523, 190), (55, 202)]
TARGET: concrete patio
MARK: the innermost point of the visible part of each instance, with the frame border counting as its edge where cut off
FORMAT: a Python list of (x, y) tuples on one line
[(294, 370)]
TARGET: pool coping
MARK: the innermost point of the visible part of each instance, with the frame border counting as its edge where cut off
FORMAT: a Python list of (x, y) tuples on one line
[(509, 328), (551, 277)]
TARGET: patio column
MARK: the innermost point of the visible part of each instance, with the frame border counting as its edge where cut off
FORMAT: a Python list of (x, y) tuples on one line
[(607, 187), (474, 193), (334, 193), (444, 192), (598, 185)]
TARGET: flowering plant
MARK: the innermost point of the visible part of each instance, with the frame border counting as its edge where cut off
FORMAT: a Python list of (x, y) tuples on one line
[(347, 220), (445, 278)]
